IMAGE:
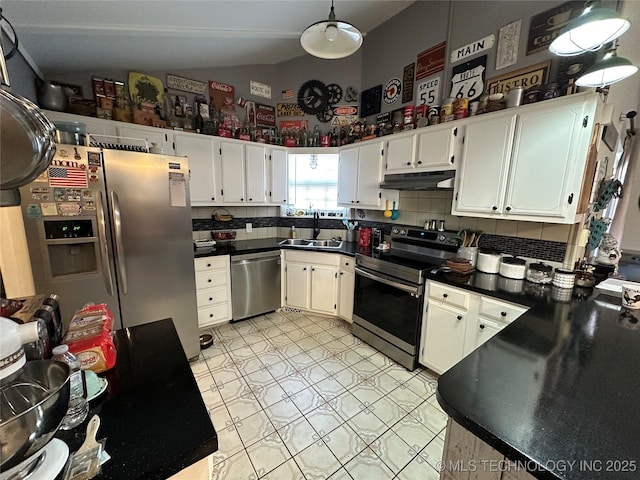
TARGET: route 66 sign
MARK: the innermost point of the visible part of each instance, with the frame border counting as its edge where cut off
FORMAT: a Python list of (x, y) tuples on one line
[(467, 79), (392, 90)]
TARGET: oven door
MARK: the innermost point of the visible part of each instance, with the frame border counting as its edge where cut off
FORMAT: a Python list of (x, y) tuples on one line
[(389, 308)]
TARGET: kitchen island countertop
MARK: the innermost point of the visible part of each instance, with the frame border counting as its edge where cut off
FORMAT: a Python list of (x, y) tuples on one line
[(153, 417)]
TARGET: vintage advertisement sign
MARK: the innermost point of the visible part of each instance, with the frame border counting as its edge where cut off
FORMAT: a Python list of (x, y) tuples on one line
[(186, 85), (222, 95), (429, 91), (546, 26), (392, 90), (344, 115), (265, 115), (467, 80), (430, 61), (525, 77), (383, 118), (407, 82), (260, 89), (474, 47), (290, 110), (293, 126)]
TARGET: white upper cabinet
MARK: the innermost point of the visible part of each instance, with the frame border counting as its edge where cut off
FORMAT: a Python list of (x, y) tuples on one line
[(104, 130), (233, 173), (359, 175), (200, 150), (256, 158), (527, 163), (131, 134), (437, 148), (398, 153), (348, 176), (279, 175)]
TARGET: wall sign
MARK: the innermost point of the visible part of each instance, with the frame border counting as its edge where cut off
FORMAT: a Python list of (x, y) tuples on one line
[(260, 89), (508, 42), (186, 85), (371, 99), (392, 90), (383, 118), (289, 110), (474, 47), (407, 82), (222, 95), (525, 77), (546, 26), (429, 91), (430, 61), (467, 79), (265, 115), (344, 115)]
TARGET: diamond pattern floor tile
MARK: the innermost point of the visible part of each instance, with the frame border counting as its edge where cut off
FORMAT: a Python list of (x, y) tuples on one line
[(296, 396)]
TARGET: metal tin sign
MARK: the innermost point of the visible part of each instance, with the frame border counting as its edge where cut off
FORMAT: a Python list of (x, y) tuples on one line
[(525, 77), (185, 84), (392, 90), (474, 47), (430, 61), (290, 110), (260, 89), (429, 91), (546, 26), (222, 95), (344, 115), (407, 82), (383, 118), (265, 115), (467, 80)]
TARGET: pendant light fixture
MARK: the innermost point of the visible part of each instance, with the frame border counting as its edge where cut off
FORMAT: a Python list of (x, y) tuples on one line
[(610, 69), (594, 27), (331, 38)]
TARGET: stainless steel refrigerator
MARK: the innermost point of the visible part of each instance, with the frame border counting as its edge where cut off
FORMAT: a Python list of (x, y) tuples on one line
[(114, 227)]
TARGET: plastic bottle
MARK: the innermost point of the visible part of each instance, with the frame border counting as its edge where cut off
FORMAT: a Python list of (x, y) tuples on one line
[(78, 405)]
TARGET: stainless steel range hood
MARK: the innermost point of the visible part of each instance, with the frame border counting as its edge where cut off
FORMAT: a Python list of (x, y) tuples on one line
[(440, 180)]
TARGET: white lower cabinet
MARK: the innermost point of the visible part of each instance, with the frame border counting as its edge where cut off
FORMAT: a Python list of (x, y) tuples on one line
[(456, 322), (213, 290), (346, 281), (310, 281)]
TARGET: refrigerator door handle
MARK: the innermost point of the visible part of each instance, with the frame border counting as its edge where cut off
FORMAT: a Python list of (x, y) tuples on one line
[(117, 227), (104, 250)]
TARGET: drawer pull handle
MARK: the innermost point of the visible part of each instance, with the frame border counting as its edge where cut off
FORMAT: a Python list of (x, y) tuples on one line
[(445, 295), (210, 299), (481, 326), (211, 315), (208, 264), (459, 317), (209, 280), (503, 314)]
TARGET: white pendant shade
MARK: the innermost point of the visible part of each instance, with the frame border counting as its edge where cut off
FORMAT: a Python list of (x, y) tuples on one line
[(610, 69), (331, 38), (595, 27)]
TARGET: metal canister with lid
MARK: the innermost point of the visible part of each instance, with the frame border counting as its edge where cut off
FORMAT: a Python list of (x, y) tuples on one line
[(460, 108), (446, 111), (539, 273)]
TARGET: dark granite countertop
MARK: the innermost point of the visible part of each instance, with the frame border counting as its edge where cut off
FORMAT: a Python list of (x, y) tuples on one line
[(152, 416), (240, 247), (556, 386)]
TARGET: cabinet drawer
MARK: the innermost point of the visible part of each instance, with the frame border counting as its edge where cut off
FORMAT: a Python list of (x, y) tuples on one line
[(213, 314), (211, 296), (503, 312), (347, 263), (207, 263), (448, 295), (211, 278)]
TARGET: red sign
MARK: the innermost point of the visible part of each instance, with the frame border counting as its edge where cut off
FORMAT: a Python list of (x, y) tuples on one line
[(222, 95), (430, 61), (265, 115), (293, 126), (347, 110)]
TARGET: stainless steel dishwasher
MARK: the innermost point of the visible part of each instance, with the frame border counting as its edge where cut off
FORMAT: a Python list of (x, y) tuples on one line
[(255, 283)]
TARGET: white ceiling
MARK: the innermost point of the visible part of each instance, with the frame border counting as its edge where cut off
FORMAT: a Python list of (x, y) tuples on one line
[(70, 35)]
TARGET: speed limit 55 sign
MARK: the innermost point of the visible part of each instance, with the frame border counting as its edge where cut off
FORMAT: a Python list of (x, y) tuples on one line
[(429, 91)]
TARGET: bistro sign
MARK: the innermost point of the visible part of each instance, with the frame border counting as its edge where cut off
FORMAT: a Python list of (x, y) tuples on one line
[(525, 77)]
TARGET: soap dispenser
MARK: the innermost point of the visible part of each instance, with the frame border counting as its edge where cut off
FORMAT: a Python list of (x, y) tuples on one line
[(292, 233)]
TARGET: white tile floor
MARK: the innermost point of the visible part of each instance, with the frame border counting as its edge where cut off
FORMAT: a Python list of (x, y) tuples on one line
[(296, 396)]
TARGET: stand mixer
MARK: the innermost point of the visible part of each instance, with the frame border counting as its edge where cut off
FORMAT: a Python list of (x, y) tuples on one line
[(34, 397)]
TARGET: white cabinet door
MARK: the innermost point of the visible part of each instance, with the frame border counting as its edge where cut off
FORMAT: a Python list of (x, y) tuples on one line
[(348, 176), (279, 176), (297, 285), (346, 278), (256, 173), (323, 289), (543, 161), (233, 174), (369, 175), (200, 151), (436, 149), (485, 165), (130, 133), (443, 337), (399, 154), (485, 330)]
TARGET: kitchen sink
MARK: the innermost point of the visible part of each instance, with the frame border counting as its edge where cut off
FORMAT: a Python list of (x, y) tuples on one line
[(299, 242)]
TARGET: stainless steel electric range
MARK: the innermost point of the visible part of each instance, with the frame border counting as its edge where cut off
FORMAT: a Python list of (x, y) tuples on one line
[(389, 290)]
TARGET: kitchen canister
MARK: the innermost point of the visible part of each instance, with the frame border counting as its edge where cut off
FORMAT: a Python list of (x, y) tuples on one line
[(468, 253), (564, 278), (488, 260), (539, 273), (515, 96), (513, 267)]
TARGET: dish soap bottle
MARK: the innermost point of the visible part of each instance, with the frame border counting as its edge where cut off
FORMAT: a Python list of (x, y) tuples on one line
[(78, 405), (293, 233)]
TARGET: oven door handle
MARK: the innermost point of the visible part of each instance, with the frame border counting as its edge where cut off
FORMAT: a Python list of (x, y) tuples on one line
[(414, 290)]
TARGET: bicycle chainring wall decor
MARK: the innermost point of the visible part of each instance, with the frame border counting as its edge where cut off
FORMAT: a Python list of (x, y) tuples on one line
[(313, 96), (326, 114), (335, 93)]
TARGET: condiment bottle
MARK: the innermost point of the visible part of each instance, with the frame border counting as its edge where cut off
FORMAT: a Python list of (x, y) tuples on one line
[(78, 405)]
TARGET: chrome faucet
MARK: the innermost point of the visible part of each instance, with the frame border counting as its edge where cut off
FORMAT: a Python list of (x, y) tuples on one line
[(316, 227)]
